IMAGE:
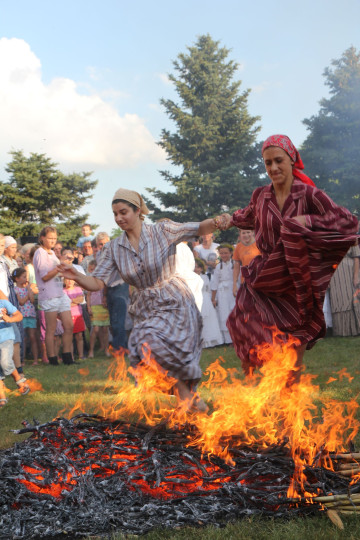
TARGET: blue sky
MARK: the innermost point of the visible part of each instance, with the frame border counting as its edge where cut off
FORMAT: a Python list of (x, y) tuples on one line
[(81, 80)]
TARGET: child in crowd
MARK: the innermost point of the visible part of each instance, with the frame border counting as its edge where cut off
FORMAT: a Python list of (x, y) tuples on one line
[(245, 251), (211, 335), (9, 315), (222, 288), (76, 295), (26, 299), (100, 320), (211, 263), (86, 235), (19, 259)]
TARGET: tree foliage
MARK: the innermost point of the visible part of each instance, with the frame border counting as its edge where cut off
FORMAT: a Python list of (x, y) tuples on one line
[(214, 141), (38, 194), (332, 148)]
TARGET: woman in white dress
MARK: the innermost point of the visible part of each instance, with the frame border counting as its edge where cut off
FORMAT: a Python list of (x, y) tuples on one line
[(162, 307), (211, 334), (222, 288)]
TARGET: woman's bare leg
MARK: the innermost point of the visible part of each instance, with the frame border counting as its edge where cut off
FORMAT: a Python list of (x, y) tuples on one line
[(80, 344), (33, 344), (50, 321), (295, 374), (67, 337)]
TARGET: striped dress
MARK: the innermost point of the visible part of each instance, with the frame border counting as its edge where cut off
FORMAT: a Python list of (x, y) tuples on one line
[(162, 306), (344, 298), (285, 286)]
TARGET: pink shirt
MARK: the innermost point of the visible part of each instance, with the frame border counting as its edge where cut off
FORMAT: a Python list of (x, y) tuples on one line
[(73, 293), (43, 263)]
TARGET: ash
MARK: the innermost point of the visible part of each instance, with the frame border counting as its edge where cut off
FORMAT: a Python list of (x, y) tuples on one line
[(91, 476)]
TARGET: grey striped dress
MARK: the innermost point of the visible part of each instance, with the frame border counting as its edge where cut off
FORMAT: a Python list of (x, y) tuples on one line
[(162, 307)]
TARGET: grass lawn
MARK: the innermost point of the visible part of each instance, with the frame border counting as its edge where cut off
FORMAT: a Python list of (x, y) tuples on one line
[(63, 385)]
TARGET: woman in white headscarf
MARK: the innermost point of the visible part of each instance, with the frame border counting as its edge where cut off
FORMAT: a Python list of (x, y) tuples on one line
[(162, 307)]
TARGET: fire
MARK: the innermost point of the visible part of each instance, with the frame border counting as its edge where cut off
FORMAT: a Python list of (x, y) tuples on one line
[(259, 411)]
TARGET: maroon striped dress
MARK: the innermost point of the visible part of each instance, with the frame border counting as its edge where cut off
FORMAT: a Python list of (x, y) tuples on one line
[(284, 287)]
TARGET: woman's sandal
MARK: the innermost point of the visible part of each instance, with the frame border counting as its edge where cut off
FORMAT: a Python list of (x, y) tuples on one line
[(24, 388)]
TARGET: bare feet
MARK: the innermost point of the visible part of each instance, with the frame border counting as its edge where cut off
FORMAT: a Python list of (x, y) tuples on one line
[(3, 400), (184, 394), (24, 388)]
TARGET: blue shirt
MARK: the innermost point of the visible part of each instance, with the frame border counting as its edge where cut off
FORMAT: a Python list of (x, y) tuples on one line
[(6, 329), (83, 239)]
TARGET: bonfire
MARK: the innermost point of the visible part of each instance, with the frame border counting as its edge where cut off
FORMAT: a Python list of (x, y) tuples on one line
[(142, 462)]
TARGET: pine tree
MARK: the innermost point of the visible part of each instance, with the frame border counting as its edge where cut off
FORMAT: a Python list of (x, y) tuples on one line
[(332, 148), (38, 194), (214, 142)]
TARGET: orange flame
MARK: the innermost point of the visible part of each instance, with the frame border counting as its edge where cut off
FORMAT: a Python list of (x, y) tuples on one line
[(259, 411)]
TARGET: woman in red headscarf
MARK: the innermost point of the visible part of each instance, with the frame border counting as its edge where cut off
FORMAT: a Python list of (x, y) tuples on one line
[(302, 235)]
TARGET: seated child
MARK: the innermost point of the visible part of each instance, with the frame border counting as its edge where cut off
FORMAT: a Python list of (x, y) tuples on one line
[(8, 316)]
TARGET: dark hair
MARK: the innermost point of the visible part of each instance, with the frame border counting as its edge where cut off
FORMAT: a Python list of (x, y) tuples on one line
[(32, 251), (86, 225), (127, 203), (226, 246), (201, 263), (18, 272), (44, 232), (93, 243), (67, 248)]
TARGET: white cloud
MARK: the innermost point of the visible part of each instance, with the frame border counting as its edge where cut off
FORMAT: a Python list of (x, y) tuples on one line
[(164, 77), (56, 119), (265, 86)]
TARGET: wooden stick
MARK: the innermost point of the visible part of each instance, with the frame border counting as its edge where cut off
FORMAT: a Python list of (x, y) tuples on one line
[(346, 466), (342, 504), (331, 498), (350, 456), (349, 472), (348, 511)]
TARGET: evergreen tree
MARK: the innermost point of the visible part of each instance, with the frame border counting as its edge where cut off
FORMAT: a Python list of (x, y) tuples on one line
[(214, 142), (38, 194), (332, 148)]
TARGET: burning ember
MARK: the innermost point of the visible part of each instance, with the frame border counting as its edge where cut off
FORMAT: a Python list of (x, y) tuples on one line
[(265, 450)]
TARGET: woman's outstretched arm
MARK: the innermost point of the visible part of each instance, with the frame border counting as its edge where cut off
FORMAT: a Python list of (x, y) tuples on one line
[(89, 283)]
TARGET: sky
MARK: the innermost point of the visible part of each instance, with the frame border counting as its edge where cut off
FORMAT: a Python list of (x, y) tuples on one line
[(81, 80)]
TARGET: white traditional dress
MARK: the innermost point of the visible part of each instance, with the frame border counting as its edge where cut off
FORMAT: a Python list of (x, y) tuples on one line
[(222, 282), (185, 266), (211, 334), (162, 306)]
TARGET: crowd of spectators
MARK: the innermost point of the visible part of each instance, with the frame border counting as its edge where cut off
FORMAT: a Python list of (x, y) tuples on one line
[(48, 319)]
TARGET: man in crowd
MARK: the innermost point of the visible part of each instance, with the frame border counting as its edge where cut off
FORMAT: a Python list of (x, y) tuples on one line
[(117, 294), (88, 254)]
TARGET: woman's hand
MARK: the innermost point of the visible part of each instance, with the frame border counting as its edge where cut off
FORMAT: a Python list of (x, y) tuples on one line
[(301, 220), (68, 271), (223, 222)]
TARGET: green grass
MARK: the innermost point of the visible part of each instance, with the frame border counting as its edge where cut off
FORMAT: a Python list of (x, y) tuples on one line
[(63, 385)]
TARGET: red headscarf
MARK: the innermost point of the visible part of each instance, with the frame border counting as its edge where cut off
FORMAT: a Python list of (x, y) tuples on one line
[(282, 141)]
